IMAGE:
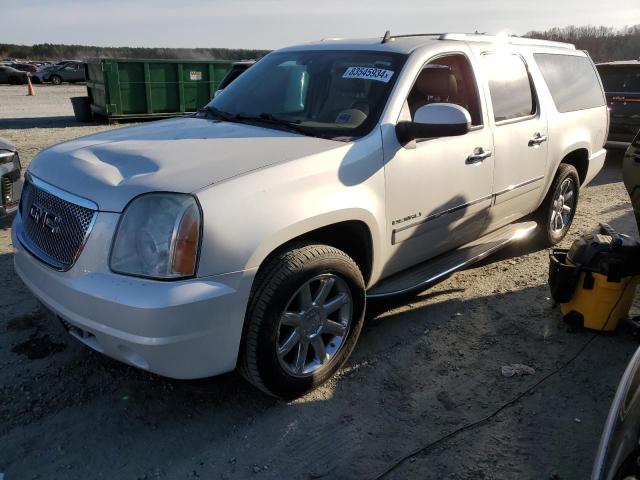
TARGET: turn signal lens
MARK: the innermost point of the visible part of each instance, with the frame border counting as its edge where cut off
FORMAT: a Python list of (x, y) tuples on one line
[(185, 251)]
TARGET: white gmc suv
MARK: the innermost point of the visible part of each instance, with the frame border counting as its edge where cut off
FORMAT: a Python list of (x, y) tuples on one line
[(251, 234)]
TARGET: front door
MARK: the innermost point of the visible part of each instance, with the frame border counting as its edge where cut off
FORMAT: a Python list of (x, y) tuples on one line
[(438, 190)]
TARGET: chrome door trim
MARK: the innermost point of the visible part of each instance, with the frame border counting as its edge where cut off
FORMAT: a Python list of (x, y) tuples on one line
[(510, 188), (437, 215)]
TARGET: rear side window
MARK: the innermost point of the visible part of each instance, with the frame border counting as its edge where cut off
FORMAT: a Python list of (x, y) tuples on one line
[(572, 81), (509, 85), (620, 79)]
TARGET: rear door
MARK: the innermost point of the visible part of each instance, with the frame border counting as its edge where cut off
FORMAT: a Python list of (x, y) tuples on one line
[(520, 136)]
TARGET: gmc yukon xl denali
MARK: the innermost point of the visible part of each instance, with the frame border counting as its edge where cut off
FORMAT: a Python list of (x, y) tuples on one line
[(251, 234)]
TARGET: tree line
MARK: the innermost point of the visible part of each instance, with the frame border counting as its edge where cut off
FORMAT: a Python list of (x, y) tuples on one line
[(51, 51), (604, 44)]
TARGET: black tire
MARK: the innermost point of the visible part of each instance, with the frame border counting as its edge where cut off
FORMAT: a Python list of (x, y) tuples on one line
[(548, 234), (13, 81), (56, 80), (274, 287)]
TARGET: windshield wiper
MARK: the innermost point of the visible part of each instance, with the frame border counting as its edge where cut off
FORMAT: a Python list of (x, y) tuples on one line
[(265, 118), (229, 117), (271, 120)]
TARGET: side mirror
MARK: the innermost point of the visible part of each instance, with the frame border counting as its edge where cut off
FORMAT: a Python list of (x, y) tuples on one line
[(433, 121)]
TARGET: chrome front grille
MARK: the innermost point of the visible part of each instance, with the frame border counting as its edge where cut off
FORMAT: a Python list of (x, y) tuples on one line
[(55, 224)]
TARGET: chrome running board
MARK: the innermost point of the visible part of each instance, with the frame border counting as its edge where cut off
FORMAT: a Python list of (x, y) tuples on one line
[(432, 271)]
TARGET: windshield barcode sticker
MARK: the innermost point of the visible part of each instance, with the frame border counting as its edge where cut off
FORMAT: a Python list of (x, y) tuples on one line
[(369, 73)]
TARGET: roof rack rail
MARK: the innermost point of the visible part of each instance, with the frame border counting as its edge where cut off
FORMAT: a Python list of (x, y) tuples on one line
[(512, 39), (482, 37), (388, 37)]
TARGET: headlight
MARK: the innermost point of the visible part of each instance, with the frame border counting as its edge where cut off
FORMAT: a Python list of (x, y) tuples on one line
[(158, 236)]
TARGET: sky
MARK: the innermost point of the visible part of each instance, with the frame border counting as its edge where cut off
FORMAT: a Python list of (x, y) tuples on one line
[(269, 24)]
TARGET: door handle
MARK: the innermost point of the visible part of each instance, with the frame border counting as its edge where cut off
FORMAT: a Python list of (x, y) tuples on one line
[(478, 156), (537, 139)]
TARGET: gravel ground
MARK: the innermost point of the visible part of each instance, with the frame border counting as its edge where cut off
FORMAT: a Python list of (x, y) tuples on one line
[(422, 396)]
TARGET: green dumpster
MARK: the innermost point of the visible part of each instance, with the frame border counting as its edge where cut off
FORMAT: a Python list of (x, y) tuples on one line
[(129, 89)]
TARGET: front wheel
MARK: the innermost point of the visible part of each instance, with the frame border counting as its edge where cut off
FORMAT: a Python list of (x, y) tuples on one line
[(56, 80), (303, 320), (558, 209)]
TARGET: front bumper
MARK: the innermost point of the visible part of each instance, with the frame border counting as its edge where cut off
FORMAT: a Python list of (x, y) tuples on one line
[(179, 329)]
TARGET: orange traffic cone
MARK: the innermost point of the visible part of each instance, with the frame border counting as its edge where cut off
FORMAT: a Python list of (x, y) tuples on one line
[(30, 91)]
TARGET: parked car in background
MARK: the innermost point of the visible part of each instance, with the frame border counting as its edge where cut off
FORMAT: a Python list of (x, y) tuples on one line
[(250, 234), (621, 82), (12, 76), (236, 70), (26, 67), (68, 71), (10, 178)]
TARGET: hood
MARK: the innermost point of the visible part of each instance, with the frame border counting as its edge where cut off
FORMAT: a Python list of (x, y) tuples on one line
[(177, 155)]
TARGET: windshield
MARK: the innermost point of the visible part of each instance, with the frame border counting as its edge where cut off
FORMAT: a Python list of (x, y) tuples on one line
[(325, 93)]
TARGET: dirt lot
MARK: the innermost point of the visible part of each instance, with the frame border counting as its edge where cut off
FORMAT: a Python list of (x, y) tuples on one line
[(422, 397)]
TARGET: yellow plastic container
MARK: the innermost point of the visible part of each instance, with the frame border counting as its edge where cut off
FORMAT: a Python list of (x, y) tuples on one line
[(604, 305)]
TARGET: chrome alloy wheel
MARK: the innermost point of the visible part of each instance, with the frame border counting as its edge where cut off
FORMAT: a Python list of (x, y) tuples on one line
[(314, 325), (563, 206)]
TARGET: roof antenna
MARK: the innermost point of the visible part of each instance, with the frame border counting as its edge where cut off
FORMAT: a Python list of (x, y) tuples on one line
[(387, 36)]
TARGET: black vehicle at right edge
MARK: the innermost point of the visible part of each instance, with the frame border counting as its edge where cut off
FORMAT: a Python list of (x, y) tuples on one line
[(621, 81)]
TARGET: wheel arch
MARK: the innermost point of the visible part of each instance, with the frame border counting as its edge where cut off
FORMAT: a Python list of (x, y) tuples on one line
[(579, 158), (352, 236)]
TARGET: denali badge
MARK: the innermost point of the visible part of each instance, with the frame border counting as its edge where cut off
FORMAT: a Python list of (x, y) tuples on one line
[(45, 218)]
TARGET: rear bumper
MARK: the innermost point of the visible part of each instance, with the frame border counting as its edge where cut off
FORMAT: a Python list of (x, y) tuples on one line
[(185, 329)]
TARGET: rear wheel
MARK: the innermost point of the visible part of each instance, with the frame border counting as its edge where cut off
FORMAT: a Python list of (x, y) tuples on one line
[(558, 209), (303, 320), (56, 80)]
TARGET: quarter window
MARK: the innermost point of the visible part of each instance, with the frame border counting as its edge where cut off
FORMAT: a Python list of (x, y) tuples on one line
[(509, 85), (572, 81)]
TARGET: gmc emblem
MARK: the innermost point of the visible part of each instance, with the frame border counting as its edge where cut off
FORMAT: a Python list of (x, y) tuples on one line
[(45, 218)]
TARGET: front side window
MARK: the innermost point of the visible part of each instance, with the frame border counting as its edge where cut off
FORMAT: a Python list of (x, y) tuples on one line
[(447, 79), (327, 93), (509, 86)]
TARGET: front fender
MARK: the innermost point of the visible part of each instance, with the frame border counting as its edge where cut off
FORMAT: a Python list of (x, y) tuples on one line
[(248, 217)]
